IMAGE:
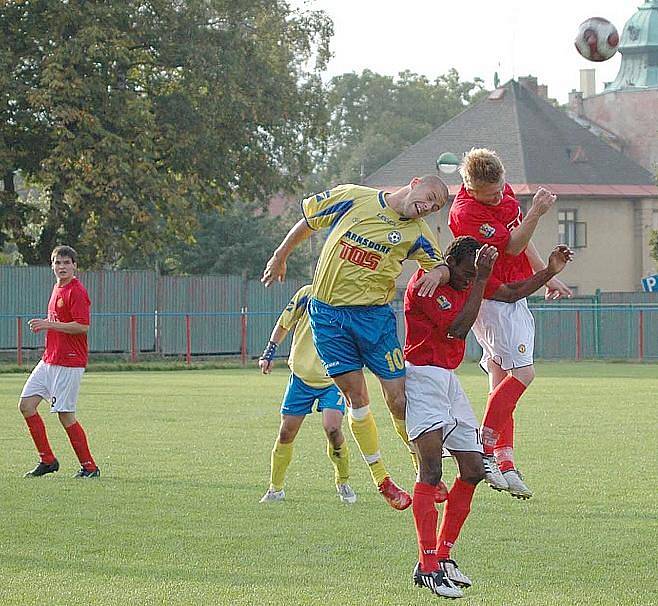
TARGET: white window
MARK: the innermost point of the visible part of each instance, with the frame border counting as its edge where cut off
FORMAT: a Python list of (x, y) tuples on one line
[(570, 231)]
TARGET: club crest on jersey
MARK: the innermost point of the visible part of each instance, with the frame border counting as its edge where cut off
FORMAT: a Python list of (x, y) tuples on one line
[(444, 304), (487, 230), (60, 302), (522, 348), (394, 237)]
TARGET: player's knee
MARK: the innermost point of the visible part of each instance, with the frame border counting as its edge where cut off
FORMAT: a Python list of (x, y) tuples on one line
[(286, 435), (397, 404), (26, 407), (430, 471), (334, 435)]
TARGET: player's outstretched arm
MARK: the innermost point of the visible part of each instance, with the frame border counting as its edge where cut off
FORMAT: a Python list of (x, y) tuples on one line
[(542, 202), (484, 261), (266, 360), (509, 293), (275, 270)]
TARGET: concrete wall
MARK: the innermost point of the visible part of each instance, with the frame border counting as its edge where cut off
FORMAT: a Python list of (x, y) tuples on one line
[(633, 117)]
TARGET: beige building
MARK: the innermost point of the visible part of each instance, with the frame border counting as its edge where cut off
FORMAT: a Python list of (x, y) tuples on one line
[(607, 203)]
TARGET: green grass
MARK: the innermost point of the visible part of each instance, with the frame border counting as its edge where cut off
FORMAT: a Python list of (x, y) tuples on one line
[(175, 519)]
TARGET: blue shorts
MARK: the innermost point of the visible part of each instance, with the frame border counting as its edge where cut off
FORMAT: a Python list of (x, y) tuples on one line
[(351, 337), (300, 397)]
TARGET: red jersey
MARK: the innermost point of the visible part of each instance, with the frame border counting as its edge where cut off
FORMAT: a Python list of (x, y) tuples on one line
[(69, 303), (427, 320), (492, 225)]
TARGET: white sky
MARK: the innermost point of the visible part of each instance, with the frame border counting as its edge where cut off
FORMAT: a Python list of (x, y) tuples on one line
[(477, 37)]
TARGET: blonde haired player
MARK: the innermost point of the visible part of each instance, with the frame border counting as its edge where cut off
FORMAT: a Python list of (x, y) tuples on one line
[(370, 234), (487, 209), (307, 385)]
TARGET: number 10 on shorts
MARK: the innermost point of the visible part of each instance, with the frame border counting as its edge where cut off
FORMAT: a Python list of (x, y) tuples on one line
[(395, 359)]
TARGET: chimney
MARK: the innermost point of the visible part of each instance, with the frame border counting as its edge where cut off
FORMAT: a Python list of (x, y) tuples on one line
[(529, 82), (542, 91), (588, 82), (576, 102)]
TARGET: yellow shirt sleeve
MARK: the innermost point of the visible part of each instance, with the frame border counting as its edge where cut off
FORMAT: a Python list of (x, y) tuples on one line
[(328, 207)]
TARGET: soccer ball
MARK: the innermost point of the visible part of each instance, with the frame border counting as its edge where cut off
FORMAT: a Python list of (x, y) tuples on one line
[(597, 39)]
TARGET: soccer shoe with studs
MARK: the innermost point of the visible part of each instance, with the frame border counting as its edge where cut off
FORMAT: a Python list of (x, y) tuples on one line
[(516, 486), (492, 473), (451, 570), (87, 474), (273, 496), (394, 495), (42, 469), (437, 582), (346, 494)]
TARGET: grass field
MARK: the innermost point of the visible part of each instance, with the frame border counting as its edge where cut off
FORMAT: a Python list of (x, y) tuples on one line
[(175, 519)]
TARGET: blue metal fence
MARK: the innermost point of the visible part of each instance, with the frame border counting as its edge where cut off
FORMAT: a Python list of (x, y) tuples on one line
[(135, 312)]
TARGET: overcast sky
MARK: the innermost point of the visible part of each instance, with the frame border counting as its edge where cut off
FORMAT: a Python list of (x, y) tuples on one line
[(477, 37)]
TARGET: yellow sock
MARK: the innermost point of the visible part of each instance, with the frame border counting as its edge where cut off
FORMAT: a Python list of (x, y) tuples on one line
[(401, 429), (340, 458), (281, 457), (364, 430)]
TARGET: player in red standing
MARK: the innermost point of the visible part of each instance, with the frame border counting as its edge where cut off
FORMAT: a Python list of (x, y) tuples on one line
[(438, 412), (486, 209), (58, 374)]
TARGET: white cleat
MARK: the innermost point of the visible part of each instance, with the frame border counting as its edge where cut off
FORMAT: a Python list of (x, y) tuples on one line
[(517, 487), (346, 494), (451, 570), (437, 582), (273, 496), (492, 473)]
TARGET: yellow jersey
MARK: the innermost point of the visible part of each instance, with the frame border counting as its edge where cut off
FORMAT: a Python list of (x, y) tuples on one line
[(303, 359), (366, 245)]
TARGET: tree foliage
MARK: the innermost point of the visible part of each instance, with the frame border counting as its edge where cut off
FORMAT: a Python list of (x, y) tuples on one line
[(375, 117), (237, 240), (135, 117)]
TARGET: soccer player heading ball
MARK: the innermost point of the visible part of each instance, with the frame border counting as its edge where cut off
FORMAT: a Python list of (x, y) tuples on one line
[(371, 233), (486, 209)]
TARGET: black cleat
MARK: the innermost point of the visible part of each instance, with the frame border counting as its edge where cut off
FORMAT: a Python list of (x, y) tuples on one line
[(437, 582), (85, 473), (42, 469)]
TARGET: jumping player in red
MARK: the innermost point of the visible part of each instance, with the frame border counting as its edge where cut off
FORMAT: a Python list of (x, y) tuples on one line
[(486, 209), (438, 412), (58, 375)]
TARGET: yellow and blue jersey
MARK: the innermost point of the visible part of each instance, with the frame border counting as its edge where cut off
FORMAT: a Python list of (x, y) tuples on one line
[(303, 359), (366, 245)]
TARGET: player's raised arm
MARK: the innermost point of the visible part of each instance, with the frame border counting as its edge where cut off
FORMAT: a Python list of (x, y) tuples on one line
[(542, 202), (484, 261), (275, 270), (514, 291)]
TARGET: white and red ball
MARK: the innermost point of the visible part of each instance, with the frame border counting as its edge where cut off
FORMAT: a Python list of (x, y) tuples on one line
[(597, 39)]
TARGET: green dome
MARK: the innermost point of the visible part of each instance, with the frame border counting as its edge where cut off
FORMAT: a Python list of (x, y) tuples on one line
[(641, 30), (639, 50)]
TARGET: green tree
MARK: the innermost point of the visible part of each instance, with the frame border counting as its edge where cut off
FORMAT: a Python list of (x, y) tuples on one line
[(239, 239), (136, 117), (375, 117)]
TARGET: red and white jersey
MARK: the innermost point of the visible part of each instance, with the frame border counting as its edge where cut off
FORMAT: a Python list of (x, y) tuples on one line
[(427, 320), (69, 303), (492, 225)]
